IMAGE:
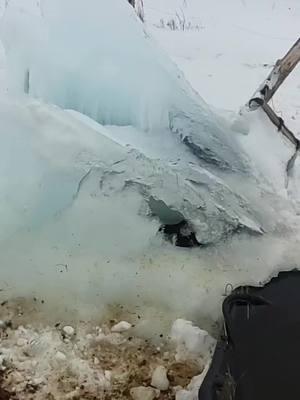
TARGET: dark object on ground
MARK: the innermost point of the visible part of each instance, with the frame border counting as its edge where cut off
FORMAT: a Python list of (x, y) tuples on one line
[(180, 234), (258, 355), (132, 2)]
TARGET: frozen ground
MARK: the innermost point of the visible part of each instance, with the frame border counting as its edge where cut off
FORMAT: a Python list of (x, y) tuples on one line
[(113, 265), (41, 361)]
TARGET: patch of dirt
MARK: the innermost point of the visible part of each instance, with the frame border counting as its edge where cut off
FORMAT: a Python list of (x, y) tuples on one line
[(181, 373), (39, 362)]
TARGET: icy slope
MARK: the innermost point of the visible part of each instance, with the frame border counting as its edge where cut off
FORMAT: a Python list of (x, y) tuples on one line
[(80, 193), (83, 226), (104, 65), (80, 218), (59, 155)]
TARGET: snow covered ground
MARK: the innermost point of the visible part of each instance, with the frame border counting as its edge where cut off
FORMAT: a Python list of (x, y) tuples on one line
[(232, 46), (229, 51), (76, 228)]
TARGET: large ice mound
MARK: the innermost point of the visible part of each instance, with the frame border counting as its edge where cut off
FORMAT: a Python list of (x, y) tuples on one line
[(61, 158), (82, 202), (99, 60), (80, 216)]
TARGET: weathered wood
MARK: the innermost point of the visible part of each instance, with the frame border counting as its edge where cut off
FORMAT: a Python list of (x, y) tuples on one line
[(280, 124), (283, 68), (267, 90), (277, 76)]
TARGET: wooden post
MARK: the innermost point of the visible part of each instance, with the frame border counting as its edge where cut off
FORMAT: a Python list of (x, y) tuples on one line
[(277, 76), (278, 121), (267, 90)]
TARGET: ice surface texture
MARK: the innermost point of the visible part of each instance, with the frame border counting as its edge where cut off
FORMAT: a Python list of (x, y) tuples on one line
[(75, 201)]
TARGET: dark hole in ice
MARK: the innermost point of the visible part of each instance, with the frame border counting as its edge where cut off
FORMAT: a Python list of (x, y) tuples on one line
[(180, 234), (175, 227)]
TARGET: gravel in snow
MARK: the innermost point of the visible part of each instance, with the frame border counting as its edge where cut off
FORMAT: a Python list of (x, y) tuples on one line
[(56, 362)]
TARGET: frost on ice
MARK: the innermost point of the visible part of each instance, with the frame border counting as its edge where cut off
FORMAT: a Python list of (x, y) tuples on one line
[(110, 69), (121, 78)]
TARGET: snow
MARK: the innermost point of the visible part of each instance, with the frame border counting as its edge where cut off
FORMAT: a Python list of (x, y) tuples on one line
[(88, 212), (59, 356), (159, 378), (94, 159), (68, 331), (228, 58), (202, 137), (235, 48), (163, 101), (141, 393), (76, 235), (36, 362), (122, 326), (102, 79), (191, 341), (56, 184)]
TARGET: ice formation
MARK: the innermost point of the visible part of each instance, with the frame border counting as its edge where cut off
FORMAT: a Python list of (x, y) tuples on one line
[(103, 142), (126, 80), (191, 341), (81, 201), (99, 61)]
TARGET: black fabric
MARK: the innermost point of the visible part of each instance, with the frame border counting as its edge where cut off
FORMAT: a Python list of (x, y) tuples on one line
[(281, 123), (258, 358)]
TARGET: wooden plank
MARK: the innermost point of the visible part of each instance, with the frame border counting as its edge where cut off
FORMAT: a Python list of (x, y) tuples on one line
[(267, 90), (277, 76), (283, 68), (279, 123)]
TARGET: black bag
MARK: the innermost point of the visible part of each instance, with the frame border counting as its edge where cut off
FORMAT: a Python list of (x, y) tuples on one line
[(258, 355)]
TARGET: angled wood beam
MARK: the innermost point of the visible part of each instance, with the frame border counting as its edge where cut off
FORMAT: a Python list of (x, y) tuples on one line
[(277, 76)]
